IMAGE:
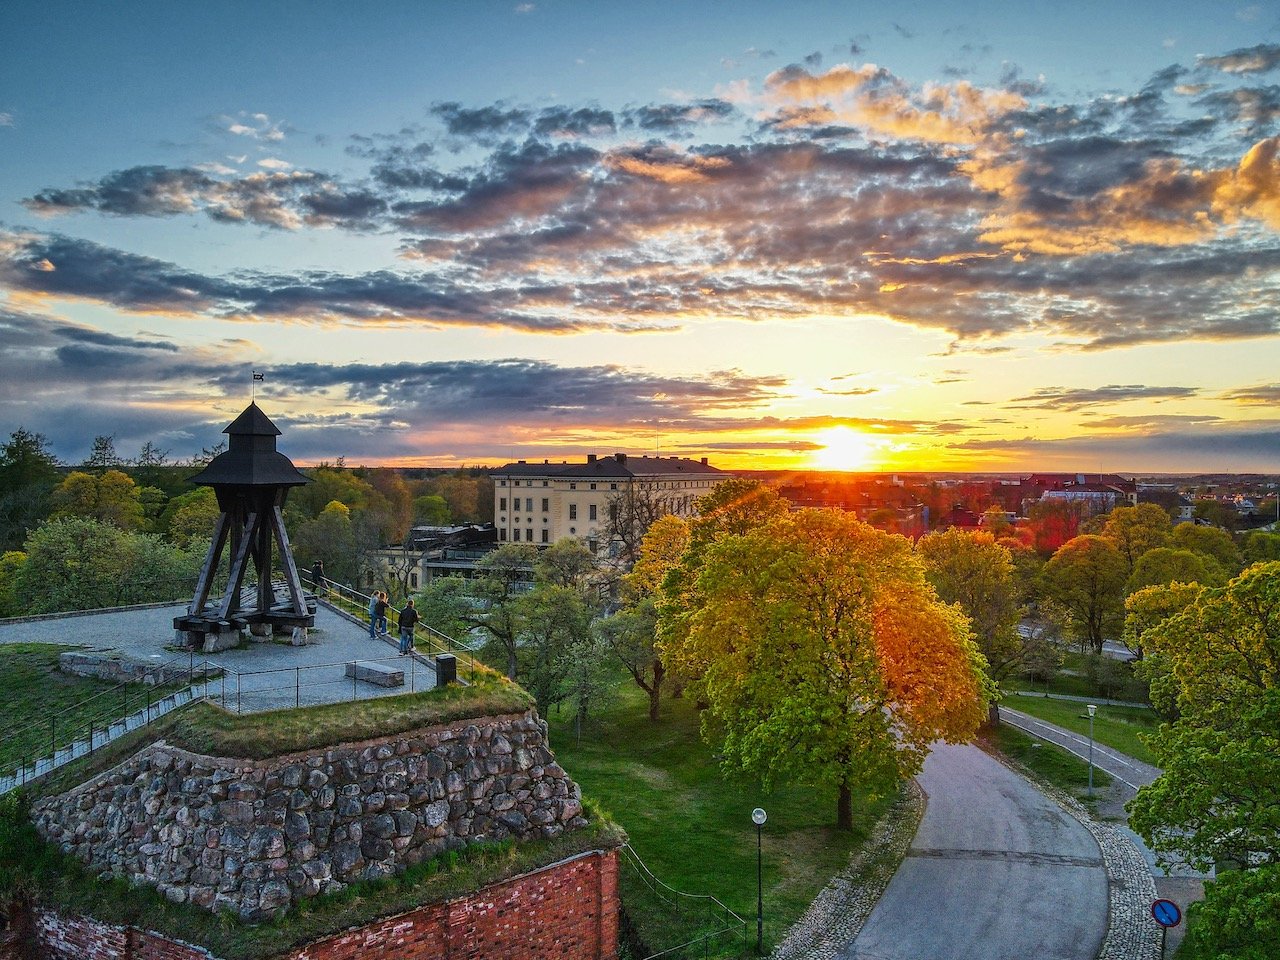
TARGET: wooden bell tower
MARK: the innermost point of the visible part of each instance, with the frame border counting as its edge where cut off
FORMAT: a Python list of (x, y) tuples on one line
[(251, 480)]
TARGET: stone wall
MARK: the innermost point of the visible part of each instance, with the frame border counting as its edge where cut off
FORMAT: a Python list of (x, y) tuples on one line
[(121, 669), (568, 910), (254, 836)]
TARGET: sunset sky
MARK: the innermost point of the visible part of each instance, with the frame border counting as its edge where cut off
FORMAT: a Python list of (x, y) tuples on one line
[(927, 236)]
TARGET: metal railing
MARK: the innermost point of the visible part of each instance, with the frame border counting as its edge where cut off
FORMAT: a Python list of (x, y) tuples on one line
[(727, 928), (254, 691), (97, 720), (356, 604)]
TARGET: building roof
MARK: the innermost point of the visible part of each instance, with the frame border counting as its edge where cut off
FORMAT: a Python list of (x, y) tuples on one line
[(251, 459), (618, 466)]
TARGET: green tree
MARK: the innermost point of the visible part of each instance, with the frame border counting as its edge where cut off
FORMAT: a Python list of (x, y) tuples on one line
[(1135, 530), (331, 539), (586, 668), (28, 472), (189, 518), (79, 563), (1216, 513), (430, 510), (1218, 795), (11, 564), (1238, 919), (566, 563), (1261, 546), (103, 456), (500, 578), (972, 570), (554, 621), (1209, 542), (1169, 565), (1086, 578), (112, 497), (823, 654)]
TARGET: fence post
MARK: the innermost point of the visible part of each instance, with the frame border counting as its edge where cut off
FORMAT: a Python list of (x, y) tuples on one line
[(238, 710), (53, 734), (297, 687)]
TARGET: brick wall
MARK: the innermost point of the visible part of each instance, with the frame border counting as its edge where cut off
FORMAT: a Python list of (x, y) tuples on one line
[(568, 910)]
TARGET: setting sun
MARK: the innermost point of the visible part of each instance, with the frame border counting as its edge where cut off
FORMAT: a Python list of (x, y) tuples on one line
[(843, 449)]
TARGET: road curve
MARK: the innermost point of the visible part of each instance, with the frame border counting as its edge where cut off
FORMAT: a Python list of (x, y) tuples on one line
[(996, 871)]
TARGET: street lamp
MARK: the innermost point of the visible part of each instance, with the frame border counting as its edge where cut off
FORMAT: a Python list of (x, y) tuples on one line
[(1092, 708), (758, 817)]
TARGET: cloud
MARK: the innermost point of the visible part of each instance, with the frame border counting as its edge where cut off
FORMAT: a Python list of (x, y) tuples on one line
[(254, 126), (1257, 59), (1268, 394), (1057, 398), (6, 119), (525, 7)]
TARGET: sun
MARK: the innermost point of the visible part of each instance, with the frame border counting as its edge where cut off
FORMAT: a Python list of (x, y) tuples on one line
[(842, 449)]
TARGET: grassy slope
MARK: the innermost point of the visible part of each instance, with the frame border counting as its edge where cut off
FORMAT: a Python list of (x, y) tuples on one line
[(1116, 727), (692, 826), (1064, 770)]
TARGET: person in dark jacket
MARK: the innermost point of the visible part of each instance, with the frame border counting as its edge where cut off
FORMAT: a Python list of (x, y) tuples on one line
[(380, 612), (408, 617), (373, 616)]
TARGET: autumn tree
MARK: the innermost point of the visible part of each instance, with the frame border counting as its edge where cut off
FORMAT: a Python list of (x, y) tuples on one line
[(1135, 530), (1086, 577), (971, 569), (1053, 523), (1217, 797), (112, 498), (823, 654)]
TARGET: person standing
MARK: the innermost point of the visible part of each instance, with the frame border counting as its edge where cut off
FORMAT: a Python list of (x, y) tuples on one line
[(408, 617), (380, 612), (373, 615), (317, 576)]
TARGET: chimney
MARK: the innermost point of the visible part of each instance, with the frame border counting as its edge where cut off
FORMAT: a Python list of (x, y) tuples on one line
[(620, 457), (704, 461), (591, 458), (520, 461)]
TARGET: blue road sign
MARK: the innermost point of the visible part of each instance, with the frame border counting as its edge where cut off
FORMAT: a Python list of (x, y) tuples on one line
[(1166, 913)]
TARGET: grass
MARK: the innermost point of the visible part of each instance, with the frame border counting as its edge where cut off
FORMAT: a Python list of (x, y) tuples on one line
[(692, 826), (1073, 680), (1115, 727), (44, 707), (1052, 764), (210, 730)]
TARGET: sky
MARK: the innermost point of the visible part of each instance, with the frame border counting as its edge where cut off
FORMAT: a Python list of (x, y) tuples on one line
[(929, 236)]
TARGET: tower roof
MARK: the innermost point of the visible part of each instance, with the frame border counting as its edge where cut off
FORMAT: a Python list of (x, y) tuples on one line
[(251, 459)]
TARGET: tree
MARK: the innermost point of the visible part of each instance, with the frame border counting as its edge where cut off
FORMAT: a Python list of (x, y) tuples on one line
[(971, 569), (553, 621), (462, 495), (1166, 565), (1209, 542), (79, 563), (1239, 917), (1135, 530), (499, 576), (112, 498), (430, 510), (1260, 547), (566, 563), (330, 538), (631, 511), (1218, 795), (191, 516), (11, 564), (587, 677), (103, 456), (1086, 577), (28, 472), (1053, 523), (823, 654), (1216, 513)]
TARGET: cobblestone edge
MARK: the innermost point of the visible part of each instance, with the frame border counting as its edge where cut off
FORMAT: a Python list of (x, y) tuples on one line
[(839, 911), (1131, 933)]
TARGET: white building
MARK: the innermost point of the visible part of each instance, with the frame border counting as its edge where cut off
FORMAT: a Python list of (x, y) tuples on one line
[(541, 503)]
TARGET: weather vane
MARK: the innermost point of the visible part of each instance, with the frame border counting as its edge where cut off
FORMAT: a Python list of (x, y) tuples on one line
[(253, 386)]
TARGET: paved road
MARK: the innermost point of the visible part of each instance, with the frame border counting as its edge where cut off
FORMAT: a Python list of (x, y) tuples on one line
[(997, 871), (1132, 773)]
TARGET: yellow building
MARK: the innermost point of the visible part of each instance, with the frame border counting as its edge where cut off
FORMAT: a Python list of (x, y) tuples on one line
[(607, 502)]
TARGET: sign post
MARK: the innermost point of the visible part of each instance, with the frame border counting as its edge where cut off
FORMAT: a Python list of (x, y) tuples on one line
[(1167, 914)]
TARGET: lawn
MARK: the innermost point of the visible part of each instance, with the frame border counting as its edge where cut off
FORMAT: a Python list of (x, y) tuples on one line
[(43, 706), (692, 826), (1063, 770), (1116, 727)]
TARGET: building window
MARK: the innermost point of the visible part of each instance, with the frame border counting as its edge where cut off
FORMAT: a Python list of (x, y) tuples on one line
[(546, 536), (502, 534), (546, 483), (591, 515), (573, 486), (573, 511), (593, 545), (528, 504), (593, 486), (613, 486), (546, 504), (528, 483), (502, 503), (573, 529), (502, 483), (528, 535), (413, 580)]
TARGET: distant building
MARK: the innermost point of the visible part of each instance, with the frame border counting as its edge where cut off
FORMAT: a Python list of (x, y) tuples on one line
[(1097, 492), (541, 503), (429, 552)]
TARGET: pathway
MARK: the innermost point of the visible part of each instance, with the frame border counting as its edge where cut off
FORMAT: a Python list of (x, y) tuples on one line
[(997, 870)]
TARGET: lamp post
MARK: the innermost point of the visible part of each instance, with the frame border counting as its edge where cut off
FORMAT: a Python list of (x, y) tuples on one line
[(758, 817), (1092, 708)]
